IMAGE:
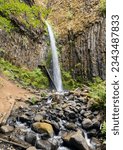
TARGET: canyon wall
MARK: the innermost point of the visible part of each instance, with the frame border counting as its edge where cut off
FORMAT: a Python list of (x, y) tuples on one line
[(80, 31), (84, 53), (22, 50)]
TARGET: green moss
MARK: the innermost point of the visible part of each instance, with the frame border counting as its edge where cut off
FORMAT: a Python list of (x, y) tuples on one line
[(34, 78), (28, 16), (98, 92), (103, 6)]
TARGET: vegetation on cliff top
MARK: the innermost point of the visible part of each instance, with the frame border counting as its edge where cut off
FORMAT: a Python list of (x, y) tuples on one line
[(15, 10)]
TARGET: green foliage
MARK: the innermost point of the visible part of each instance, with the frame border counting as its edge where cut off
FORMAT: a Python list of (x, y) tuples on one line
[(103, 6), (33, 101), (43, 94), (68, 82), (5, 24), (98, 92), (33, 78), (103, 129), (28, 16)]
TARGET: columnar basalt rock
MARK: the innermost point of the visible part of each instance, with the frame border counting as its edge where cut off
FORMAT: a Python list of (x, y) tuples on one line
[(85, 51), (22, 50)]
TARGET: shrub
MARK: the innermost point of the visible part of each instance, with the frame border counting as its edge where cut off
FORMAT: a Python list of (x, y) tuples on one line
[(98, 92), (35, 78), (68, 82)]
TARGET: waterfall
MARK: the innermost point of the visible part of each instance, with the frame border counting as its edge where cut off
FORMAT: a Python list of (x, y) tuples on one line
[(56, 67)]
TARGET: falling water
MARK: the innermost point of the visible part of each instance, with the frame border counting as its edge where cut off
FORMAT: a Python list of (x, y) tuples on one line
[(56, 68)]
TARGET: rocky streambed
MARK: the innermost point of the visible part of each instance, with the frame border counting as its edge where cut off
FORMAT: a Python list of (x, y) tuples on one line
[(59, 121)]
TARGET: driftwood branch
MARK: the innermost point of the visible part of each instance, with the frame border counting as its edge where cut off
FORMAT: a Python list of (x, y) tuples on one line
[(13, 143)]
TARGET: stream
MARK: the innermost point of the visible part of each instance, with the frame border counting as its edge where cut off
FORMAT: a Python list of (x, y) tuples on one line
[(58, 122)]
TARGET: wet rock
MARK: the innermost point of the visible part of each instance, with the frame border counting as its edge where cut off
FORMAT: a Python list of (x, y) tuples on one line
[(43, 144), (83, 107), (70, 126), (87, 124), (96, 112), (87, 113), (92, 133), (54, 143), (38, 118), (96, 124), (54, 124), (60, 114), (82, 112), (30, 137), (24, 118), (31, 148), (75, 140), (71, 97), (6, 128), (96, 142), (90, 104), (70, 114), (42, 127), (63, 148)]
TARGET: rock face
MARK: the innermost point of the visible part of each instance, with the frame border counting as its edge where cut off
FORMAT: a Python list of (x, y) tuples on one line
[(43, 127), (22, 50), (85, 51), (81, 39), (76, 140)]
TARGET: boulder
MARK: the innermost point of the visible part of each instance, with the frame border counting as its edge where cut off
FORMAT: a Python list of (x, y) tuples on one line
[(87, 124), (71, 126), (24, 118), (31, 148), (96, 123), (6, 128), (42, 127), (30, 138), (54, 143), (75, 140), (96, 142), (92, 133), (43, 144), (38, 118), (87, 113)]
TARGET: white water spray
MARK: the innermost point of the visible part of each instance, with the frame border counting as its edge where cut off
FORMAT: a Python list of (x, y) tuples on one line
[(56, 68)]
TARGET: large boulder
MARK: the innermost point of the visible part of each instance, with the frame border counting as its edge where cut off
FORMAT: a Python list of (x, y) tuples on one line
[(42, 127), (87, 124), (30, 137), (76, 140)]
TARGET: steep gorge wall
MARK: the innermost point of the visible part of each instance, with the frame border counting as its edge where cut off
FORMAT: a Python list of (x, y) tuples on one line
[(84, 53), (22, 50), (80, 32)]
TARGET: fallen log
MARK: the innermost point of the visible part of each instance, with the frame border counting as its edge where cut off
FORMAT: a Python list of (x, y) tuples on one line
[(13, 143)]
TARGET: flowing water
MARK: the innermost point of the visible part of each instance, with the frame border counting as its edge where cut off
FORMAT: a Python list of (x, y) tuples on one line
[(56, 67)]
